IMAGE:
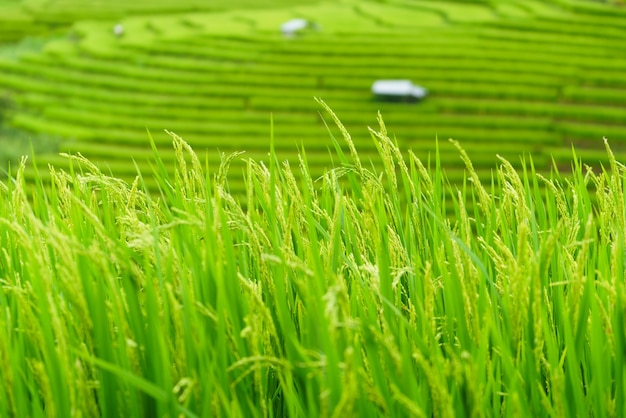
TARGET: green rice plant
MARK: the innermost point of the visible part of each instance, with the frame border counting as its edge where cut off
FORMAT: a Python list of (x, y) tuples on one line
[(598, 95), (494, 30), (579, 112), (460, 12), (592, 132), (360, 292)]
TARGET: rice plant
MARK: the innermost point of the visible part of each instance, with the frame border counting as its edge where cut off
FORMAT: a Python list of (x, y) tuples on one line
[(359, 293)]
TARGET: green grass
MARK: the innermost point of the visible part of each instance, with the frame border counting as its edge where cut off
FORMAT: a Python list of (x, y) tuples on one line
[(359, 293)]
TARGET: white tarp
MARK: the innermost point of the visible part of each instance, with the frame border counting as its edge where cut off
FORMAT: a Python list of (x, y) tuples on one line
[(294, 25), (118, 30), (400, 88)]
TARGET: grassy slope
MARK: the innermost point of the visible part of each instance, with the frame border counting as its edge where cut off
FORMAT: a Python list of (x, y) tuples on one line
[(509, 77), (315, 300)]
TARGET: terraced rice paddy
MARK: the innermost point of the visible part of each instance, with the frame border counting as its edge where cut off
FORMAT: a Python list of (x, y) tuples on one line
[(508, 78), (304, 298)]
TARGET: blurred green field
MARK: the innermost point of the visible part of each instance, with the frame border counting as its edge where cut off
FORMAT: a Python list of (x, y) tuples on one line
[(505, 77)]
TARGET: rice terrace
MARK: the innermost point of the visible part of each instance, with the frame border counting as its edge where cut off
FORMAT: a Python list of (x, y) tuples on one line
[(301, 208)]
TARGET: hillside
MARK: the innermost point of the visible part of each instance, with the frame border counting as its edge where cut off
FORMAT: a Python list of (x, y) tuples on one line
[(507, 77)]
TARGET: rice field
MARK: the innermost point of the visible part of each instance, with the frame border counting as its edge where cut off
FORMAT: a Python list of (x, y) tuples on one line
[(313, 299), (276, 258), (510, 78)]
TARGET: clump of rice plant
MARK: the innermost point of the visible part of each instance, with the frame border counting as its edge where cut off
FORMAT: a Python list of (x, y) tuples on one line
[(360, 293)]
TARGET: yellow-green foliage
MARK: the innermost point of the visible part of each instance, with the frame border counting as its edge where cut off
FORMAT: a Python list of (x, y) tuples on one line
[(358, 293)]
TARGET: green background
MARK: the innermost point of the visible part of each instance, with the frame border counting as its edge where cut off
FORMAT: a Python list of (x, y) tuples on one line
[(505, 77)]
